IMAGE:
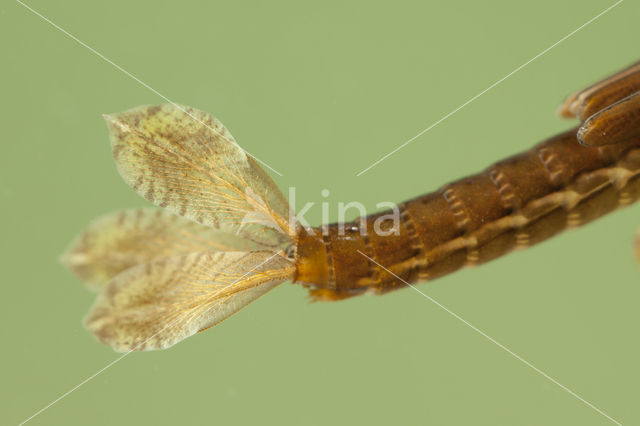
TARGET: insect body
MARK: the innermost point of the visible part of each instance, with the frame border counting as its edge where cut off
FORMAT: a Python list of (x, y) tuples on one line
[(513, 204), (227, 235)]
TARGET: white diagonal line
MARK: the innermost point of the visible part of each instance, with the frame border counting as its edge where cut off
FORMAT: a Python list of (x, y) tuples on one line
[(489, 88), (91, 377), (128, 74), (500, 345)]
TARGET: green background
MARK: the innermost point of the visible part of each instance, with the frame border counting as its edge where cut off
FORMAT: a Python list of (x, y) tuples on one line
[(319, 91)]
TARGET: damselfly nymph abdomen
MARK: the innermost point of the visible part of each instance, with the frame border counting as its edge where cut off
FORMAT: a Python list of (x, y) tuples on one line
[(226, 235)]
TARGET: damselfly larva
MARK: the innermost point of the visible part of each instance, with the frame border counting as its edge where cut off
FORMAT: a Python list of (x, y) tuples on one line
[(227, 236)]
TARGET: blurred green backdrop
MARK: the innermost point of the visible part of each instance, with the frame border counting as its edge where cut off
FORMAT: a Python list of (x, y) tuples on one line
[(319, 91)]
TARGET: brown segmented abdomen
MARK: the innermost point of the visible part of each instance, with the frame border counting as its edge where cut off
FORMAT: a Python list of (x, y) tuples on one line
[(515, 203)]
